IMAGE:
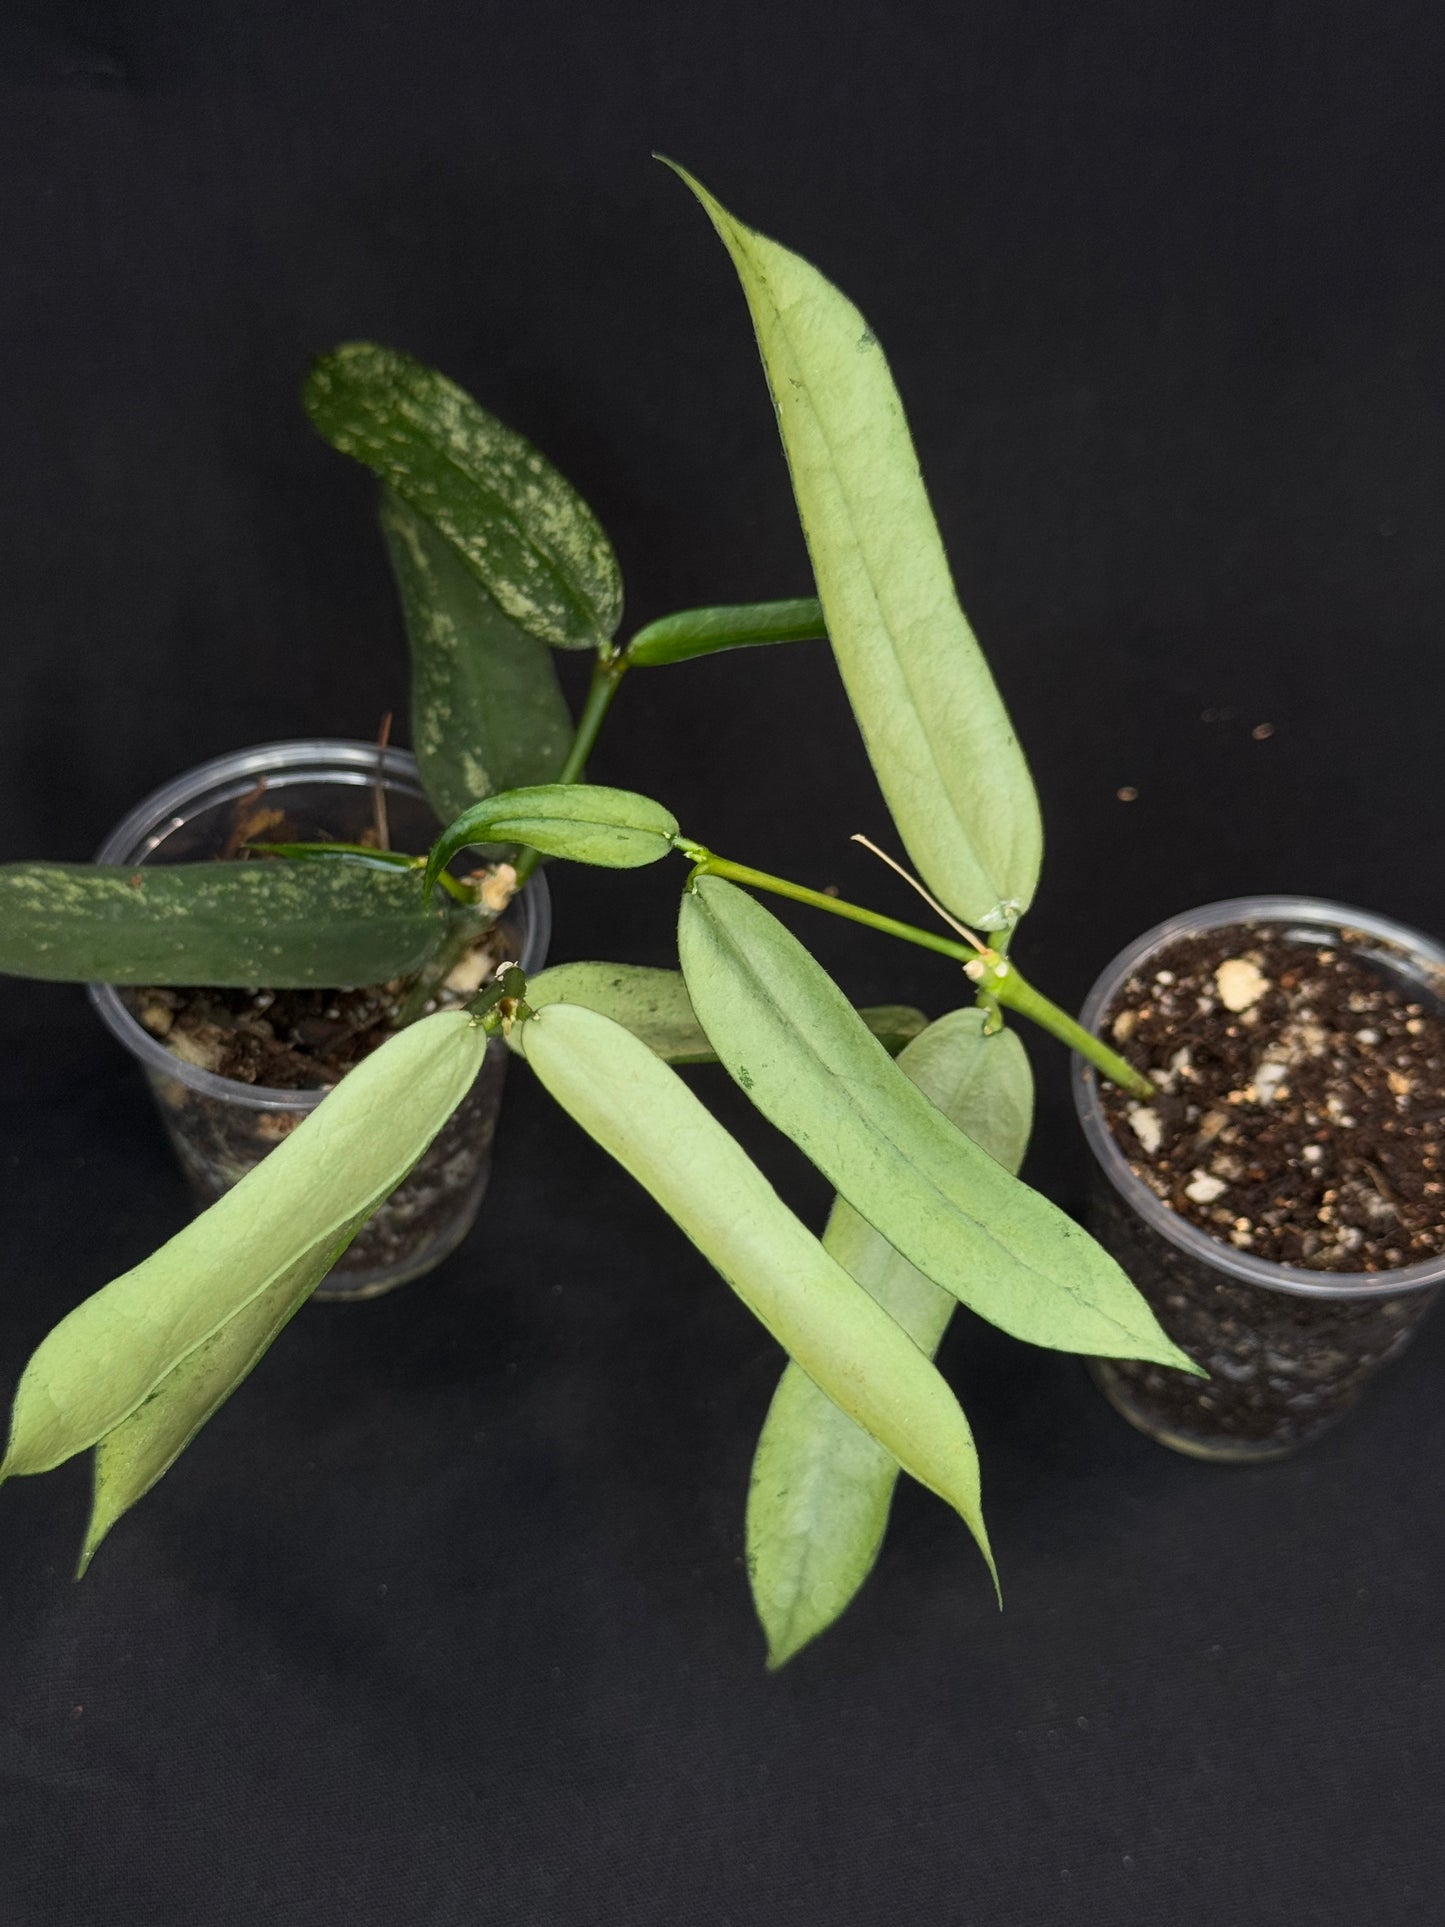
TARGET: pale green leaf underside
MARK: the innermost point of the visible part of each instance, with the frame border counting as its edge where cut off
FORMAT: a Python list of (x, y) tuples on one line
[(654, 1005), (487, 711), (129, 1460), (645, 1116), (584, 822), (936, 730), (786, 1033), (521, 527), (110, 1354), (262, 922), (821, 1488), (701, 632)]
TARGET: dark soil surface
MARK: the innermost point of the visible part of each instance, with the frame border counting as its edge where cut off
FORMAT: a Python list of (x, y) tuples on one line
[(1301, 1106), (294, 1040)]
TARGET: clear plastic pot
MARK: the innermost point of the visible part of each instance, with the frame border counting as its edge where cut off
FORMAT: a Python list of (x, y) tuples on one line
[(222, 1128), (1288, 1350)]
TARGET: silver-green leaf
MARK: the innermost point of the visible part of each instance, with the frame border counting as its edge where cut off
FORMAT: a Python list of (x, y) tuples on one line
[(584, 822), (123, 1345), (940, 740), (645, 1116), (654, 1005), (487, 711), (519, 525), (787, 1034), (275, 923), (821, 1488)]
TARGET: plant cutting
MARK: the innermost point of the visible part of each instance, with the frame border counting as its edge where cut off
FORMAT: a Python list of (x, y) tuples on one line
[(499, 561)]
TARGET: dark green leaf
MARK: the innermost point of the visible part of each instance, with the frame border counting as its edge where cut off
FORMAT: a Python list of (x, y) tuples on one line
[(654, 1005), (268, 923), (645, 1116), (940, 741), (523, 530), (821, 1488), (487, 712), (701, 632), (582, 821), (123, 1345), (787, 1034)]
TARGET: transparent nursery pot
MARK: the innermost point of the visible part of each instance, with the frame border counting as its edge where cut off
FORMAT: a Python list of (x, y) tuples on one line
[(1288, 1350), (221, 1128)]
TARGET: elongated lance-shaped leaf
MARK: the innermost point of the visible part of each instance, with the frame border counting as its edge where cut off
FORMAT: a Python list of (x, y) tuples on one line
[(487, 711), (701, 632), (787, 1034), (129, 1460), (121, 1346), (936, 730), (821, 1488), (654, 1005), (275, 923), (520, 526), (583, 821), (646, 1117)]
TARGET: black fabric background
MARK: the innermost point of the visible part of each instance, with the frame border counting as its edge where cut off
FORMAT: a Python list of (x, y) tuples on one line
[(443, 1621)]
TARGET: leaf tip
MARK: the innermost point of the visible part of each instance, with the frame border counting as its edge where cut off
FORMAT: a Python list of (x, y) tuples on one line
[(783, 1645), (95, 1532)]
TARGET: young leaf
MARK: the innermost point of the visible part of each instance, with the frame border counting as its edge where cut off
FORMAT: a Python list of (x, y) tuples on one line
[(821, 1488), (520, 526), (122, 1345), (936, 730), (487, 711), (654, 1005), (582, 821), (646, 1117), (701, 632), (129, 1460), (274, 923), (787, 1034)]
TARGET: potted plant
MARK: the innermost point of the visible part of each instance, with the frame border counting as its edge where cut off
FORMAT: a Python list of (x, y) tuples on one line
[(242, 1032), (496, 555)]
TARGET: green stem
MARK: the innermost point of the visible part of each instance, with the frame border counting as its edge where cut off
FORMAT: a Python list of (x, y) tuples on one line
[(706, 864), (461, 933), (607, 672), (998, 981), (1017, 994)]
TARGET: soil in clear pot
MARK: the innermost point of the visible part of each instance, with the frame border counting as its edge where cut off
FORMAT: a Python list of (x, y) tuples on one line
[(1300, 1120)]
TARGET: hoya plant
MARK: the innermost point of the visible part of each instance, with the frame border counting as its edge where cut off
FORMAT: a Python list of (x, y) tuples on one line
[(498, 562)]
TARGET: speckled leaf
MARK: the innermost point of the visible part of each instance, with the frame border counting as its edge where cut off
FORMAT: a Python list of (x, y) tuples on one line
[(821, 1488), (584, 822), (520, 526), (936, 730), (129, 1460), (646, 1117), (273, 923), (654, 1005), (122, 1345), (487, 711), (701, 632), (787, 1034)]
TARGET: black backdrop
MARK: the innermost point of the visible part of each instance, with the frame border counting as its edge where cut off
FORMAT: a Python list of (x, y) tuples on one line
[(444, 1620)]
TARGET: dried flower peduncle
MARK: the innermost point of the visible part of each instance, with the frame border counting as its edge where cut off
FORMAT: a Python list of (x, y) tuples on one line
[(932, 901)]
